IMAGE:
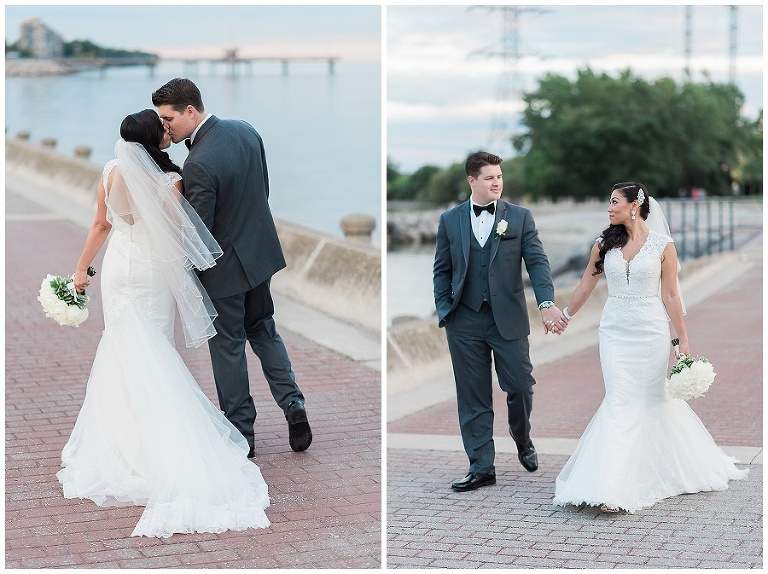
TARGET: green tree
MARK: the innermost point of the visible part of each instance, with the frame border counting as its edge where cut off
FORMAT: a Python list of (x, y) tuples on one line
[(514, 179), (450, 185), (87, 49), (414, 187), (447, 185), (585, 135), (15, 48), (748, 174)]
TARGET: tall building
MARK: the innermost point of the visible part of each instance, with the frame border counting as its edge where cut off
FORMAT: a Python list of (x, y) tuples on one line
[(40, 40)]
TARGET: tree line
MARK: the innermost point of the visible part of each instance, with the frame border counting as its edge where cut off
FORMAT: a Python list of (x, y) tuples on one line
[(579, 137), (83, 49)]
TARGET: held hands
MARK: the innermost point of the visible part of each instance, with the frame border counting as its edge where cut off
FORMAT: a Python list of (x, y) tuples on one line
[(554, 321)]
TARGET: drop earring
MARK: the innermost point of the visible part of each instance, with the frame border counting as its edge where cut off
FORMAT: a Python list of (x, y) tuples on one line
[(633, 215)]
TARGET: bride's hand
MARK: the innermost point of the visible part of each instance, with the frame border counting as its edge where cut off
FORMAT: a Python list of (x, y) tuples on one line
[(81, 280), (554, 321), (682, 349)]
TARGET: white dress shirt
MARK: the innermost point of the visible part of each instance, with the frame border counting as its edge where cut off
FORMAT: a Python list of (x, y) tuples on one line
[(194, 133), (482, 225)]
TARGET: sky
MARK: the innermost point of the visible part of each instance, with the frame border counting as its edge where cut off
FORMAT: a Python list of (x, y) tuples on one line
[(351, 32), (445, 94)]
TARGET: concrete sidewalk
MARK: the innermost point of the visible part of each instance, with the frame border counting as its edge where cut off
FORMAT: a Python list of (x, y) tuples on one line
[(514, 524), (326, 501)]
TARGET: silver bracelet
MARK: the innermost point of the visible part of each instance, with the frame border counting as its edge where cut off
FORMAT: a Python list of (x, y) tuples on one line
[(565, 312)]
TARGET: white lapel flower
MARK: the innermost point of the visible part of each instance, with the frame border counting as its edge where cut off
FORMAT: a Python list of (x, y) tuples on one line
[(501, 227)]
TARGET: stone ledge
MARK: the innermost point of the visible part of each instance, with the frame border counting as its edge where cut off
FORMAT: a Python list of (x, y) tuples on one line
[(330, 274)]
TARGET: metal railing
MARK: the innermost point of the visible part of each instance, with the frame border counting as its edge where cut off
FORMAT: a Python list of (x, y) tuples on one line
[(708, 226)]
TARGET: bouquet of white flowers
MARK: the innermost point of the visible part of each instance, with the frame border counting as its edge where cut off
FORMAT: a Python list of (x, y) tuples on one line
[(690, 378), (62, 302)]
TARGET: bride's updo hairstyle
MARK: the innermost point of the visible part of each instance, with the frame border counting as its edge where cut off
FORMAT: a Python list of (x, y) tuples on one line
[(146, 128), (617, 235)]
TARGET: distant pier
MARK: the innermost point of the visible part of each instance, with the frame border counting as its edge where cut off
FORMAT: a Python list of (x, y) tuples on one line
[(235, 63)]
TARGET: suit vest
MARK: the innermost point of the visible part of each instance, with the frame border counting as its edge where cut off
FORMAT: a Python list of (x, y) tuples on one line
[(476, 289)]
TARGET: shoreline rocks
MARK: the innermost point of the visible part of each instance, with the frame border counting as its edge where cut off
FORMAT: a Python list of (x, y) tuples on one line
[(29, 67)]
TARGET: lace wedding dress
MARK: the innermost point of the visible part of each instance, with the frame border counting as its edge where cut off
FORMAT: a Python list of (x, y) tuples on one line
[(641, 446), (146, 434)]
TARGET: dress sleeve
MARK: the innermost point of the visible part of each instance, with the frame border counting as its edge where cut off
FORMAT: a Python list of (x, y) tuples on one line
[(105, 175)]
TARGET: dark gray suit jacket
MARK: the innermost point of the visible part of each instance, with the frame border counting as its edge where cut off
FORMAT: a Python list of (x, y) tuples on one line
[(519, 243), (226, 182)]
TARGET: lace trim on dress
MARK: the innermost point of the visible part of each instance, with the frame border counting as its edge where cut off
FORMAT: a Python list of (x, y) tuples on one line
[(171, 177), (108, 167)]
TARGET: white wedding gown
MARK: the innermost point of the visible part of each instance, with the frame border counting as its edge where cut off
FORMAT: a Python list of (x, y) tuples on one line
[(641, 446), (146, 433)]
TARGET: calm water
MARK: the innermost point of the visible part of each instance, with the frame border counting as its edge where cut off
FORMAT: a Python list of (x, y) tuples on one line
[(409, 283), (322, 133)]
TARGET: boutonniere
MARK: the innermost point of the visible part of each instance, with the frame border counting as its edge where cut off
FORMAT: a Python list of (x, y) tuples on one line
[(501, 228)]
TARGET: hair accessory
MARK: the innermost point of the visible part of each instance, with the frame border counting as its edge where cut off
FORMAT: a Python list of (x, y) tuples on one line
[(640, 196)]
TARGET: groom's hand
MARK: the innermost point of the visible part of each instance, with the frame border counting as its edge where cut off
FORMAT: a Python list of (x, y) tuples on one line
[(553, 320)]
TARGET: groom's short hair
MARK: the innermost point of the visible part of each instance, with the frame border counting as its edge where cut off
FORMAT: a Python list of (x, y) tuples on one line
[(477, 160), (179, 93)]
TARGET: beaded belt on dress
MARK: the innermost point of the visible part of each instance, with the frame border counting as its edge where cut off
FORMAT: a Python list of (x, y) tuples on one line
[(635, 296)]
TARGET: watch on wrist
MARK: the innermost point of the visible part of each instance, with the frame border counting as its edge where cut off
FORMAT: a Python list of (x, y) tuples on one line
[(546, 305)]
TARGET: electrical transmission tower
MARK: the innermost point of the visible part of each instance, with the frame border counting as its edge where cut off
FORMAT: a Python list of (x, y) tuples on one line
[(732, 43), (509, 83), (732, 47), (688, 11)]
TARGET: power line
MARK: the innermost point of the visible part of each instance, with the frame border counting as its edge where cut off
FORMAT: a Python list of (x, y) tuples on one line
[(508, 85)]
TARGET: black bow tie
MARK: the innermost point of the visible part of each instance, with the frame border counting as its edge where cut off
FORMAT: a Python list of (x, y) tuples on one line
[(490, 208), (188, 143)]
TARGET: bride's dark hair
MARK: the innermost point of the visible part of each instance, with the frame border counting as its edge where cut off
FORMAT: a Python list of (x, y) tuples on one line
[(146, 128), (617, 235)]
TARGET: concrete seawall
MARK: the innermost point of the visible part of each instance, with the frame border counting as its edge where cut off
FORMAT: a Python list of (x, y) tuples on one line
[(337, 277)]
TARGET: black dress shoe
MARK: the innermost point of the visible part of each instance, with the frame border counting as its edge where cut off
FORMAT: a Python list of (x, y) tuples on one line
[(251, 454), (473, 481), (299, 432), (528, 457)]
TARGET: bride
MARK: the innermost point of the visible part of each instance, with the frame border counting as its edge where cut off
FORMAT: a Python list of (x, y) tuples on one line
[(146, 434), (641, 446)]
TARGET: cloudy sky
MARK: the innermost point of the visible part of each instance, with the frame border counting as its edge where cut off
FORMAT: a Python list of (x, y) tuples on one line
[(352, 32), (442, 88), (443, 92)]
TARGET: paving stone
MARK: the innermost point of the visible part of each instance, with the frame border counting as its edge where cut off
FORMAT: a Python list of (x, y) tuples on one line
[(326, 509), (704, 530)]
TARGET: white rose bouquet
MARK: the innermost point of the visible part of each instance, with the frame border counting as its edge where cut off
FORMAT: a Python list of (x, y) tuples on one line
[(690, 378), (62, 302)]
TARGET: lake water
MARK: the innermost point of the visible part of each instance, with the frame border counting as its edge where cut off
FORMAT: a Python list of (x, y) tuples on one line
[(322, 132)]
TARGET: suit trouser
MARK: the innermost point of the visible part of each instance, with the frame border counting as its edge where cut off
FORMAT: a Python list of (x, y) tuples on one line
[(472, 338), (248, 317)]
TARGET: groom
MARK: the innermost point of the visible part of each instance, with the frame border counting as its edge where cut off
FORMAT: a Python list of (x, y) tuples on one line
[(480, 300), (225, 181)]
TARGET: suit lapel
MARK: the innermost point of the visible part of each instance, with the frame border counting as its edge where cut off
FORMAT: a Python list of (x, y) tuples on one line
[(501, 209), (204, 129), (465, 229)]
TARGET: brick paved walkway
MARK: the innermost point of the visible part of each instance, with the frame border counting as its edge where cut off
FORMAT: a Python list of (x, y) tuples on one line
[(514, 524), (326, 502)]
